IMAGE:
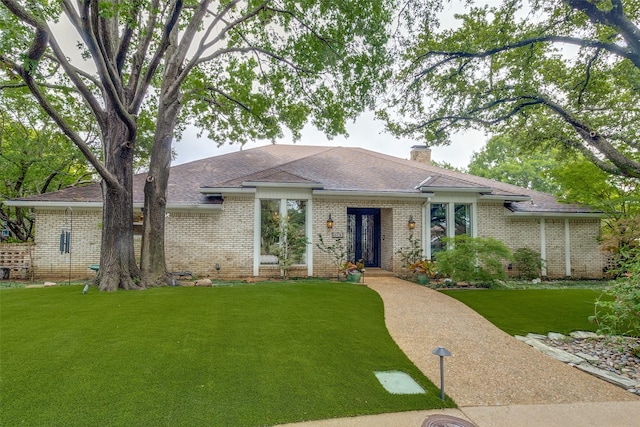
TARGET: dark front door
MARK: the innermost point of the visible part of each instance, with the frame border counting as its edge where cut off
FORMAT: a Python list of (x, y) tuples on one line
[(363, 240)]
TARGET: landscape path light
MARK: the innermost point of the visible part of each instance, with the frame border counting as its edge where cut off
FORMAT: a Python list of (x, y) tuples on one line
[(442, 352)]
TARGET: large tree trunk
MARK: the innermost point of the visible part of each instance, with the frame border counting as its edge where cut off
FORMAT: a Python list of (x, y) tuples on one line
[(152, 260), (118, 267)]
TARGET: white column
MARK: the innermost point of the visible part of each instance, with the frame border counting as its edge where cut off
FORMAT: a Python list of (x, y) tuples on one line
[(256, 237), (567, 248), (474, 220), (309, 234), (543, 246), (426, 230)]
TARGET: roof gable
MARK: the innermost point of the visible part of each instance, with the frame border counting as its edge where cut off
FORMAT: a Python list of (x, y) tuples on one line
[(339, 169)]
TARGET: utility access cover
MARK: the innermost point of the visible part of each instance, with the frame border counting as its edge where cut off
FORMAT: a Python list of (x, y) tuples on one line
[(397, 382)]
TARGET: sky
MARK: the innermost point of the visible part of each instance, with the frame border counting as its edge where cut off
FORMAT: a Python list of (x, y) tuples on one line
[(365, 133)]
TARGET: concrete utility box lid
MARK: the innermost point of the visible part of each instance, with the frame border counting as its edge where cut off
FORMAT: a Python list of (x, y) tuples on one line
[(397, 382)]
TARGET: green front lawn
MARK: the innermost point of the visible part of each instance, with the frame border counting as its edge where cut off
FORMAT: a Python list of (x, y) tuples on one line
[(540, 311), (244, 355)]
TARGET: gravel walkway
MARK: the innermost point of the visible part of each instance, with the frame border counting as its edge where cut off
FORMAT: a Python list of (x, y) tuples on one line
[(488, 367)]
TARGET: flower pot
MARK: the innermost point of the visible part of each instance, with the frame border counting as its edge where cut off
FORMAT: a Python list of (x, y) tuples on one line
[(354, 277), (423, 279)]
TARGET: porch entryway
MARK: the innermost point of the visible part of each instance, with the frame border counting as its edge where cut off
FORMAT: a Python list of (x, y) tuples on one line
[(363, 236)]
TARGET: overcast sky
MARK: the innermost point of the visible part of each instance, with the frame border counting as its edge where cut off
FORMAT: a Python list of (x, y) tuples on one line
[(364, 133)]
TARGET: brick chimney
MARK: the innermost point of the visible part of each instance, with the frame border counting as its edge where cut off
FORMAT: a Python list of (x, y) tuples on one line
[(421, 153)]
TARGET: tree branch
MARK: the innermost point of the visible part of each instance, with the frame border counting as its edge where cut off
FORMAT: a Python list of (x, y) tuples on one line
[(454, 55)]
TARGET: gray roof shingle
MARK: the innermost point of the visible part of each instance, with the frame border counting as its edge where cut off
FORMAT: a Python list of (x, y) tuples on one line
[(329, 168)]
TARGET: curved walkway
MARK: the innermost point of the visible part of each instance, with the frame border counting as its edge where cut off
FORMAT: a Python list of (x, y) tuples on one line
[(495, 379)]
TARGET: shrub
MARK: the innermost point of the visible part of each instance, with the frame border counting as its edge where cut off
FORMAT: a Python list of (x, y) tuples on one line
[(528, 263), (473, 259), (621, 314)]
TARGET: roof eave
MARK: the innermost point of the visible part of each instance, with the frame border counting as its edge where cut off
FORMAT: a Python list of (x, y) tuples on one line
[(372, 194), (431, 189), (312, 185), (556, 214), (52, 204), (506, 198), (225, 190)]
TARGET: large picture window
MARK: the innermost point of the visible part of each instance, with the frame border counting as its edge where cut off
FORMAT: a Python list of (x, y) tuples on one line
[(440, 220), (269, 231), (277, 218)]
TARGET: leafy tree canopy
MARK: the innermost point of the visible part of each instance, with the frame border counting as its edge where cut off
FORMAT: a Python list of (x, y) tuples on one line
[(239, 70), (504, 160), (563, 73), (35, 158)]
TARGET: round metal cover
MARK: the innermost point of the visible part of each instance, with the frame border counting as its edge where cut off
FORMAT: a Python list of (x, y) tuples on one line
[(446, 421)]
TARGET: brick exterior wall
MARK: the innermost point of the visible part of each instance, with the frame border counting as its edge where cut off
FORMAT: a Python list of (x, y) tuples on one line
[(394, 216), (587, 260), (198, 240), (85, 243)]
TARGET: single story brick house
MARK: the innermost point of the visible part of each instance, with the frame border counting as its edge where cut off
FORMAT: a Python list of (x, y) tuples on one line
[(218, 210)]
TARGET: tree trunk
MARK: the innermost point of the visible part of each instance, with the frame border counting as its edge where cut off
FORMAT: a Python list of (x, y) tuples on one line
[(118, 267), (152, 260)]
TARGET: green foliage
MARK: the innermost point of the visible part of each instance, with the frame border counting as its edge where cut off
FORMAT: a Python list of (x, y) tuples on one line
[(253, 350), (617, 311), (471, 259), (505, 159), (528, 263), (292, 245), (336, 251), (412, 253), (35, 158), (558, 75)]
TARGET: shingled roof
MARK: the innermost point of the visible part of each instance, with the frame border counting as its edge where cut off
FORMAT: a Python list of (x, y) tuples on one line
[(324, 169)]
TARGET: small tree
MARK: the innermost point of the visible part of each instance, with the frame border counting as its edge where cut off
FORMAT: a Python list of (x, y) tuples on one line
[(473, 259), (336, 251), (412, 253), (617, 310), (293, 244)]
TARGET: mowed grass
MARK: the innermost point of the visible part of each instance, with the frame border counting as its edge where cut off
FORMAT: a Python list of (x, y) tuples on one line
[(539, 311), (245, 355)]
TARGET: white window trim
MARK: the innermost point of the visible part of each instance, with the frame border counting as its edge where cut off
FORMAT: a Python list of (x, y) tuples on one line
[(283, 196), (426, 225)]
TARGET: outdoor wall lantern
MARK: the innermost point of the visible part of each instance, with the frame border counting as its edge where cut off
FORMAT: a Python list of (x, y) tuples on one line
[(442, 352), (329, 222), (411, 223)]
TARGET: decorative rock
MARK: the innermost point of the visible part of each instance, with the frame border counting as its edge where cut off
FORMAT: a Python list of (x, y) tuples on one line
[(587, 357), (583, 334), (609, 358), (556, 353), (611, 377), (203, 283), (536, 336), (556, 336)]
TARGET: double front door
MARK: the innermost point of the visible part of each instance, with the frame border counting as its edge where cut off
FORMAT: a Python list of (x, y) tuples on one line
[(363, 236)]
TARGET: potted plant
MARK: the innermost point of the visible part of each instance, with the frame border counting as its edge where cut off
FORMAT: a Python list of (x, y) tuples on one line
[(353, 271), (423, 269)]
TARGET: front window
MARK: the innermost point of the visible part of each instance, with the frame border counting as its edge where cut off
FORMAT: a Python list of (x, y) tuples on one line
[(438, 226), (269, 231), (441, 226), (277, 218), (463, 219)]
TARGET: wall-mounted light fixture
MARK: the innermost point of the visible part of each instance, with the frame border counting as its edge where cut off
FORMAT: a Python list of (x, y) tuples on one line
[(329, 222), (411, 223)]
